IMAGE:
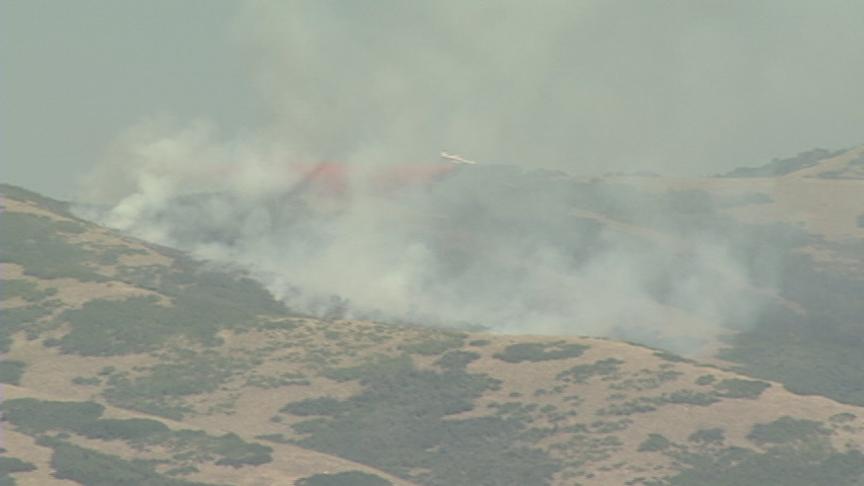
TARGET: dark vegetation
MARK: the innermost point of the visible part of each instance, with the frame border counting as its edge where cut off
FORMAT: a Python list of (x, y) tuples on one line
[(654, 442), (38, 418), (457, 360), (93, 468), (740, 388), (777, 467), (9, 465), (731, 388), (38, 244), (603, 368), (786, 429), (349, 478), (202, 303), (159, 390), (434, 346), (403, 422), (779, 167), (11, 372), (27, 290), (517, 353), (796, 452), (817, 352), (708, 436), (12, 465), (23, 318)]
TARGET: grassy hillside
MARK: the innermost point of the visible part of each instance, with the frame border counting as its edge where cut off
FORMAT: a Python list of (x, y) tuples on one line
[(128, 363)]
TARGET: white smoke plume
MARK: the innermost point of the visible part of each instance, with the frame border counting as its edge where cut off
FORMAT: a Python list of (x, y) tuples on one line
[(507, 248)]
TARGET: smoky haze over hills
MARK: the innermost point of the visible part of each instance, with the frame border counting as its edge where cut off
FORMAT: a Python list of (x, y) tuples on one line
[(488, 245), (666, 87)]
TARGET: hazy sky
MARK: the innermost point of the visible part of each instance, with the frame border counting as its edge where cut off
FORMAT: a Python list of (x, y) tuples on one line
[(679, 87)]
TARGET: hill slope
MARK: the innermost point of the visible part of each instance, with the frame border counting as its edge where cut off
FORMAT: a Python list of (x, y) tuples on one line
[(129, 363)]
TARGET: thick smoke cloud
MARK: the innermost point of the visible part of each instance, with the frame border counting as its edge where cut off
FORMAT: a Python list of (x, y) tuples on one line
[(378, 85), (495, 246)]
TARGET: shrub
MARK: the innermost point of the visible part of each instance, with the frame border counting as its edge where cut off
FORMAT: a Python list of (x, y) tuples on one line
[(25, 289), (315, 406), (517, 353), (236, 452), (786, 429), (36, 416), (689, 397), (705, 380), (778, 466), (457, 360), (349, 478), (11, 465), (402, 423), (708, 436), (11, 372), (654, 442), (129, 429), (738, 388), (89, 467), (35, 242), (432, 347), (582, 373)]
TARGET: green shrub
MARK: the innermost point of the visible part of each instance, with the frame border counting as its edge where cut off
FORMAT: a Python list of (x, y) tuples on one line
[(582, 373), (705, 380), (18, 318), (203, 303), (160, 390), (25, 289), (36, 416), (133, 429), (738, 388), (654, 442), (315, 406), (435, 346), (236, 452), (35, 243), (779, 466), (93, 468), (402, 423), (457, 360), (689, 397), (786, 429), (349, 478), (82, 380), (708, 436), (11, 372), (11, 465), (517, 353)]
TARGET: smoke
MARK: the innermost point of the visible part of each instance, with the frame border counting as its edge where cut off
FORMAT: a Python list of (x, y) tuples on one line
[(496, 245), (673, 87), (492, 246)]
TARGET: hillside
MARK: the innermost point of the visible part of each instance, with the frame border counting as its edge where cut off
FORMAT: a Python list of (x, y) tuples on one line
[(130, 363)]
